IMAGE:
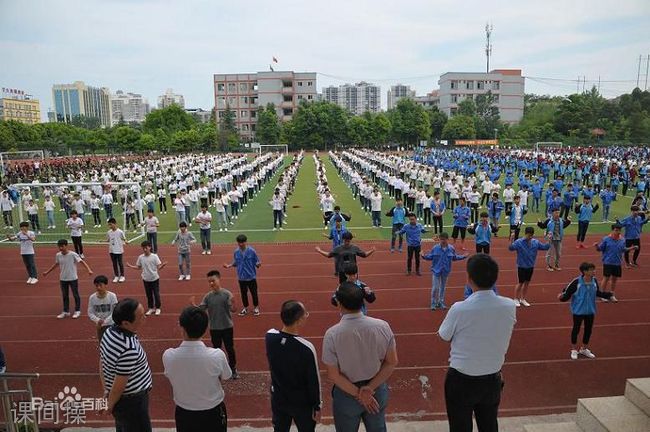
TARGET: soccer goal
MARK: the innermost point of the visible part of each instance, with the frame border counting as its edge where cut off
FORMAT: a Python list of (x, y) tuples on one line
[(47, 207), (547, 146), (272, 147), (23, 156)]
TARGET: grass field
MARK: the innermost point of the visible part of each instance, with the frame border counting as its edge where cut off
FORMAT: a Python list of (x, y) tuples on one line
[(304, 220)]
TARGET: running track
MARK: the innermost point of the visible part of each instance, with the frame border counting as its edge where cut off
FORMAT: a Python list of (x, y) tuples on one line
[(540, 377)]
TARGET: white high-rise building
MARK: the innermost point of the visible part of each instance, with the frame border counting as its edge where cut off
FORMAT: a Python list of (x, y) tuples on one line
[(170, 98), (398, 92), (357, 99), (128, 108), (506, 86), (78, 99)]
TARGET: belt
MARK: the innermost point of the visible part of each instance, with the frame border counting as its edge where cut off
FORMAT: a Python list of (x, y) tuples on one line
[(474, 377), (361, 383), (137, 394)]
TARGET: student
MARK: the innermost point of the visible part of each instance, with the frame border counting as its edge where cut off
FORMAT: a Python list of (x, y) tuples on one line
[(179, 206), (585, 212), (75, 224), (482, 232), (352, 274), (150, 264), (32, 213), (151, 224), (100, 306), (68, 279), (428, 201), (495, 207), (441, 256), (183, 241), (116, 240), (461, 220), (247, 262), (413, 231), (567, 202), (612, 248), (473, 198), (162, 200), (277, 204), (516, 218), (27, 239), (375, 207), (222, 217), (437, 210), (398, 214), (526, 249), (582, 292), (204, 218), (7, 205), (95, 203), (220, 304), (345, 253), (554, 232), (633, 225), (49, 207)]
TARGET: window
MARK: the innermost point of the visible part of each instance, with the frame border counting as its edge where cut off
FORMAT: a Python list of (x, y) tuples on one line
[(454, 98), (253, 114), (454, 84), (220, 114), (253, 127), (453, 111), (254, 86), (495, 85), (299, 97), (287, 98), (310, 97), (221, 102), (495, 98), (253, 100), (480, 85), (232, 87), (287, 84), (243, 114), (469, 85), (243, 88), (299, 83), (310, 83), (469, 96), (245, 127), (243, 100), (232, 100), (221, 87), (287, 111)]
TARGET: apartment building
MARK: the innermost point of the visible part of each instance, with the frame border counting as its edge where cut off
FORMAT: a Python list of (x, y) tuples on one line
[(78, 99), (398, 92), (128, 107), (170, 98), (356, 98)]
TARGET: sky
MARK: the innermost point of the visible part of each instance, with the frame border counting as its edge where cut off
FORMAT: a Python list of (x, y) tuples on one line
[(147, 46)]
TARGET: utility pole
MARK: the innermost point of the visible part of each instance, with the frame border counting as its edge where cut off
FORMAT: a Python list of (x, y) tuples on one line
[(488, 45), (638, 72), (578, 85), (647, 66)]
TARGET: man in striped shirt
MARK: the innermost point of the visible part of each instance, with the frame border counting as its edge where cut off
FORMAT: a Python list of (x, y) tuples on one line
[(125, 372)]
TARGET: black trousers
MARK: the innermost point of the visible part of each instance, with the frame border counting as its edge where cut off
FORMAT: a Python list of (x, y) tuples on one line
[(632, 242), (152, 291), (577, 322), (118, 264), (152, 237), (78, 246), (284, 415), (466, 395), (413, 250), (437, 224), (212, 420), (226, 337), (66, 287), (131, 413), (483, 248), (582, 230), (244, 287)]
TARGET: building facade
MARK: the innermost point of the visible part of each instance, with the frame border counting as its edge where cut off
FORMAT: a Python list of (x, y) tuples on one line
[(506, 86), (398, 92), (170, 98), (128, 108), (429, 100), (22, 108), (244, 94), (199, 113), (78, 99), (357, 98)]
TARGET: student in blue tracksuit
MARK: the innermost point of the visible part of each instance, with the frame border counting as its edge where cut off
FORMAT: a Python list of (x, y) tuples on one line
[(633, 225), (441, 256), (351, 271), (413, 231), (526, 249), (567, 201), (461, 220), (495, 207), (398, 213), (612, 248), (582, 292), (482, 232), (585, 212), (606, 197), (537, 195)]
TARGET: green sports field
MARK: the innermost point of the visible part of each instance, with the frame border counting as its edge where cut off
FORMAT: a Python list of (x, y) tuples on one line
[(304, 219)]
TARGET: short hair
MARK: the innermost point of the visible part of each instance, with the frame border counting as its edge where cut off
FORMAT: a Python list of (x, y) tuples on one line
[(495, 195), (73, 212), (112, 220), (145, 243), (350, 268), (241, 238), (634, 208), (337, 208), (462, 198), (444, 235), (150, 210), (24, 224), (529, 230), (349, 296), (617, 226), (213, 273), (410, 215), (182, 224), (484, 214), (62, 242), (194, 320), (436, 193), (483, 270), (100, 279), (291, 311), (347, 235), (586, 266), (125, 311)]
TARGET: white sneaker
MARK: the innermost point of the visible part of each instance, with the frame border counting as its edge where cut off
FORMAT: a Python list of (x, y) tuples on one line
[(209, 252), (188, 277), (613, 299), (585, 352), (275, 229), (517, 302), (203, 253), (158, 312), (86, 232), (574, 354), (63, 315), (525, 303), (82, 256), (149, 312), (281, 229), (181, 277), (76, 314), (116, 279), (220, 229), (122, 279), (29, 281), (225, 229), (34, 281)]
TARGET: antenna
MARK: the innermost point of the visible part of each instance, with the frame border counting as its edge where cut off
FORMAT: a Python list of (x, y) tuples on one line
[(488, 45)]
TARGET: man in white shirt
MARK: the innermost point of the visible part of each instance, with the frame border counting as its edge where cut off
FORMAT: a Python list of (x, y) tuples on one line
[(479, 330), (195, 373), (375, 207)]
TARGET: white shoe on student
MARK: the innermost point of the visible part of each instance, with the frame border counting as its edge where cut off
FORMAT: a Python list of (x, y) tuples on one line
[(203, 253), (525, 303), (181, 277), (517, 302), (587, 353), (209, 252), (34, 281), (76, 315), (574, 354), (63, 315), (116, 279), (149, 312), (188, 277), (158, 312), (29, 281), (121, 279)]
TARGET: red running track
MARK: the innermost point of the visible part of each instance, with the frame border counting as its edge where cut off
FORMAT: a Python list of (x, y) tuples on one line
[(540, 377)]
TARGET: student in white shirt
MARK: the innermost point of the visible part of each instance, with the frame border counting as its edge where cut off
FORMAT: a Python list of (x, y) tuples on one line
[(375, 207), (100, 306), (32, 213), (222, 217), (116, 240), (162, 200), (151, 224), (204, 219), (75, 224), (94, 209), (49, 207)]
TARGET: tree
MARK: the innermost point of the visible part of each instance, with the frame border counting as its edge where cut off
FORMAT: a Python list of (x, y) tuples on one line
[(381, 128), (410, 122), (459, 127), (437, 120), (126, 138), (467, 107), (170, 119), (228, 134), (268, 126), (359, 131), (317, 125), (86, 122)]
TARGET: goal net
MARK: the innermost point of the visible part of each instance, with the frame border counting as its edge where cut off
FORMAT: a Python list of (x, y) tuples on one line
[(263, 148), (48, 207), (20, 161), (545, 146)]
